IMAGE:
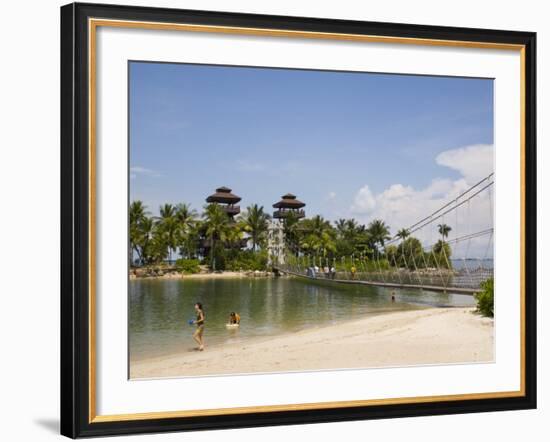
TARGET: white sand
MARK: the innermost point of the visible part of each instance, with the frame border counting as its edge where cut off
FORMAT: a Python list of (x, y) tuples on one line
[(429, 336)]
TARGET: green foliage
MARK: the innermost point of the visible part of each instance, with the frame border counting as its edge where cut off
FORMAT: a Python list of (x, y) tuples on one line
[(138, 217), (146, 238), (403, 234), (410, 254), (291, 230), (391, 252), (188, 265), (237, 260), (218, 229), (216, 259), (216, 239), (485, 299), (189, 241), (362, 265), (444, 230), (379, 232), (255, 222), (440, 255)]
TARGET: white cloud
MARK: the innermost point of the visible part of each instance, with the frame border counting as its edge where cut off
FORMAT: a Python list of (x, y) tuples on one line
[(138, 170), (402, 205), (474, 162), (397, 191), (331, 196), (364, 201)]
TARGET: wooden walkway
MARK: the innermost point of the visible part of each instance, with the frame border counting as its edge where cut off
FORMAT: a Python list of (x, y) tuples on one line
[(435, 288)]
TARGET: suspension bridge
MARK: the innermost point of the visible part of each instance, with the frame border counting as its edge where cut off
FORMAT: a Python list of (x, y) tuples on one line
[(413, 259)]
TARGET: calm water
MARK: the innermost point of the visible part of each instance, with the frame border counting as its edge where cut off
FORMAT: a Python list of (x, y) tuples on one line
[(160, 309), (472, 264)]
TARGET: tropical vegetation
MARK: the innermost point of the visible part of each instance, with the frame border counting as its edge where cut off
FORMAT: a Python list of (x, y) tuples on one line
[(485, 298), (182, 236)]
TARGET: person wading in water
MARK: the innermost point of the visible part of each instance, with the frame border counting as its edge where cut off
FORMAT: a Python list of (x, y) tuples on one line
[(197, 336)]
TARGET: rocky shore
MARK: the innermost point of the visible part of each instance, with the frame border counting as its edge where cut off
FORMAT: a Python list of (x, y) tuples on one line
[(173, 273)]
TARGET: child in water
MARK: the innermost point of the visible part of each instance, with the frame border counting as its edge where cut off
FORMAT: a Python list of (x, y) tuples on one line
[(234, 318)]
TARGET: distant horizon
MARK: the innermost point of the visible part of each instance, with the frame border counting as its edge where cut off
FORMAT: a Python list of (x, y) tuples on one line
[(349, 145)]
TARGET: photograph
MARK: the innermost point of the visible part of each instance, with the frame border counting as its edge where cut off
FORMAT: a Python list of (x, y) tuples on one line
[(292, 220), (275, 221)]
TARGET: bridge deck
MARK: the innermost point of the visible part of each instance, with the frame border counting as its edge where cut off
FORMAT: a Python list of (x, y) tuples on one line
[(462, 290)]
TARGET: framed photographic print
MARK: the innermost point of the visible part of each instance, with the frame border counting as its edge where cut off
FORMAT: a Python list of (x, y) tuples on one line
[(274, 220)]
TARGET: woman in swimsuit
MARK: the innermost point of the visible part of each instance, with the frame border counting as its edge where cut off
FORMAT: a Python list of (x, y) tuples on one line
[(197, 336)]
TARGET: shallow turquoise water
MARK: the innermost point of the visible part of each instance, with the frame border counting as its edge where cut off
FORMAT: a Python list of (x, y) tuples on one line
[(160, 309)]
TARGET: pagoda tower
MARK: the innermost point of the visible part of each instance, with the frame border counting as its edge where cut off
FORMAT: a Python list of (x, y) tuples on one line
[(288, 205), (227, 200), (276, 238)]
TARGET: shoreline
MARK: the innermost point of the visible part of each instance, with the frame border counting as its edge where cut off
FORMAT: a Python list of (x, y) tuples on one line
[(173, 274), (417, 337)]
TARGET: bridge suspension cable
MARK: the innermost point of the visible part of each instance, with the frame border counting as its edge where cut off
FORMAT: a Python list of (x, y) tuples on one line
[(454, 203), (412, 263)]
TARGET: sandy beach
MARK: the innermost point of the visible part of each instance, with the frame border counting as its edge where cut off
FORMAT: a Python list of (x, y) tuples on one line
[(428, 336)]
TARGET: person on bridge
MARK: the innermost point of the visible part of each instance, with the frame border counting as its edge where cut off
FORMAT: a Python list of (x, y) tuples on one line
[(353, 270)]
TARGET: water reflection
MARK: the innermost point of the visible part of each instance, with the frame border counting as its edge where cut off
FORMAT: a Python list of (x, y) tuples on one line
[(160, 309)]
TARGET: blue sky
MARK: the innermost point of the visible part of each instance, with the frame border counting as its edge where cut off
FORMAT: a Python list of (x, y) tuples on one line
[(324, 136)]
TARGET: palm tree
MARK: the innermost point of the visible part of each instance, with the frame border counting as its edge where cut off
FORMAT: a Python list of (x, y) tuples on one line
[(347, 228), (410, 252), (185, 216), (167, 211), (391, 254), (341, 227), (379, 232), (167, 225), (318, 236), (138, 211), (352, 227), (189, 242), (217, 227), (326, 244), (145, 240), (234, 235), (444, 230), (403, 234), (318, 245), (186, 219), (256, 223), (137, 214), (318, 225), (441, 254), (291, 232), (353, 237)]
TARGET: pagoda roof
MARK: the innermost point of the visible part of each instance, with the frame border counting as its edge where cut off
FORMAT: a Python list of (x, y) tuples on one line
[(223, 195), (289, 201)]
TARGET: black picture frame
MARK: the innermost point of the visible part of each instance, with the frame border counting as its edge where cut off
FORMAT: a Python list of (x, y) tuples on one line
[(75, 221)]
